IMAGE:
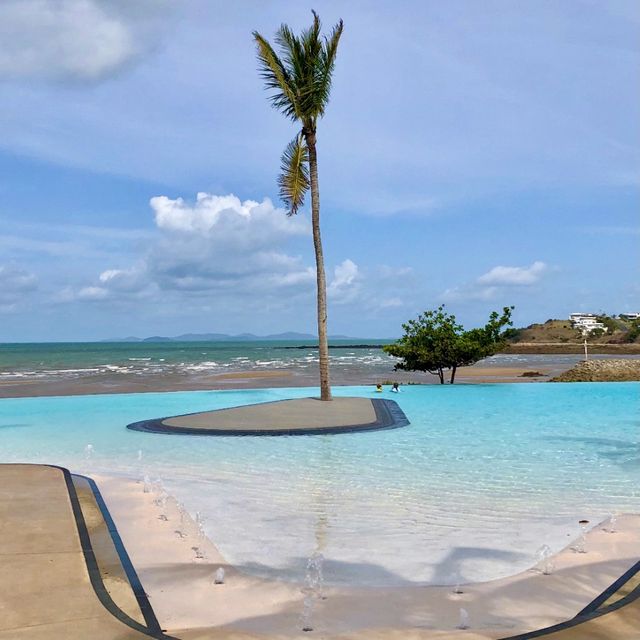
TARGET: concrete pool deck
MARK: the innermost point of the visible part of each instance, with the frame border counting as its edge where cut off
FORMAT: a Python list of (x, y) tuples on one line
[(51, 583), (302, 416)]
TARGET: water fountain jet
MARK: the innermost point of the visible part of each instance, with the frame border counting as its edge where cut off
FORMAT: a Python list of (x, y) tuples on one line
[(464, 619)]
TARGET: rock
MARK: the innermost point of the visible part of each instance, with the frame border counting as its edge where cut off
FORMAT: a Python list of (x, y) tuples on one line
[(602, 371)]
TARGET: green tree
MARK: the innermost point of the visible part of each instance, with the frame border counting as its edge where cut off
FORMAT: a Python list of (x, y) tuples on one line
[(634, 332), (300, 81), (609, 322), (435, 342)]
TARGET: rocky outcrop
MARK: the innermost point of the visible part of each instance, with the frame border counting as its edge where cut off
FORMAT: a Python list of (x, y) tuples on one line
[(602, 371)]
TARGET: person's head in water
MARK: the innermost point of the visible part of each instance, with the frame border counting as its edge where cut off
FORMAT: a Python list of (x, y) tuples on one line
[(396, 387), (378, 387)]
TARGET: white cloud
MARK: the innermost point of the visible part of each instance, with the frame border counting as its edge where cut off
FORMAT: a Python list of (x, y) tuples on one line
[(469, 292), (390, 303), (81, 40), (344, 274), (227, 218), (521, 276), (495, 282), (385, 271), (15, 285), (344, 285), (220, 242), (16, 280), (92, 293), (231, 254), (129, 280), (216, 245)]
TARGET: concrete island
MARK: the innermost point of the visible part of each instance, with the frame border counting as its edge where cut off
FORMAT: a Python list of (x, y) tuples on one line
[(303, 416)]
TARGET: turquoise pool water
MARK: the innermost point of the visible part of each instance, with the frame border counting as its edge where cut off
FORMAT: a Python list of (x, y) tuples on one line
[(482, 478)]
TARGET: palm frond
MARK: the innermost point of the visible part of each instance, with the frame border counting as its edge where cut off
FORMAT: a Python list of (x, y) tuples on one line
[(292, 53), (276, 78), (300, 73), (294, 177), (328, 59)]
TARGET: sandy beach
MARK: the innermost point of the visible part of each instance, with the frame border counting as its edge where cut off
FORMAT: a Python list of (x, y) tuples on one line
[(132, 383), (182, 591)]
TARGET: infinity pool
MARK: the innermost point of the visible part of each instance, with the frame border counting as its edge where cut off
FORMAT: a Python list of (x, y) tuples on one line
[(482, 478)]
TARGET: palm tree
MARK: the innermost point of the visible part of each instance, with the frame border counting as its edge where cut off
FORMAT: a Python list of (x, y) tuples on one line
[(300, 81)]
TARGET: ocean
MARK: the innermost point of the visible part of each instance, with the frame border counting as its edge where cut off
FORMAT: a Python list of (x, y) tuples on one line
[(58, 368)]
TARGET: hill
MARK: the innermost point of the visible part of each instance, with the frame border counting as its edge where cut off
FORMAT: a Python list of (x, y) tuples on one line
[(558, 336), (225, 337)]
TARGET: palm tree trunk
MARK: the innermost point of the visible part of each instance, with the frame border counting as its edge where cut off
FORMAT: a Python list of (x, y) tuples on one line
[(321, 282)]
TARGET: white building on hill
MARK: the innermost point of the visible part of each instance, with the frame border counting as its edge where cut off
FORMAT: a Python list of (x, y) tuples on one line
[(586, 322), (630, 316)]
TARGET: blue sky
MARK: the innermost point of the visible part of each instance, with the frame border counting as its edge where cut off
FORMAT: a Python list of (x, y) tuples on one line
[(479, 154)]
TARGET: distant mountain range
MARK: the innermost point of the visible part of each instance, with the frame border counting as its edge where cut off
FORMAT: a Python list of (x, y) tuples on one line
[(225, 337)]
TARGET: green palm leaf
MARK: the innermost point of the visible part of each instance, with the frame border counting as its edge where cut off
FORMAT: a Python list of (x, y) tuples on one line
[(294, 177)]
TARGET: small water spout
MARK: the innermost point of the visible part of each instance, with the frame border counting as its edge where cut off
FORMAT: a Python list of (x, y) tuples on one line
[(464, 619), (200, 519), (218, 577), (457, 590), (581, 543), (544, 557), (613, 523), (308, 605), (88, 451), (314, 578), (147, 487), (139, 455), (183, 514)]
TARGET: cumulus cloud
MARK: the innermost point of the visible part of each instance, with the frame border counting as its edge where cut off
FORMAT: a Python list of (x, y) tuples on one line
[(468, 293), (344, 285), (216, 244), (92, 293), (220, 250), (494, 283), (521, 276), (227, 218), (78, 40), (221, 242), (129, 280)]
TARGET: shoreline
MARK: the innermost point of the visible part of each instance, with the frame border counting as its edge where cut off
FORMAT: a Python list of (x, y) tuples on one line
[(182, 591), (277, 378)]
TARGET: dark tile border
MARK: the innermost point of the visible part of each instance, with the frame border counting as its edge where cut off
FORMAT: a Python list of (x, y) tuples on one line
[(592, 610), (389, 415), (95, 576), (136, 586)]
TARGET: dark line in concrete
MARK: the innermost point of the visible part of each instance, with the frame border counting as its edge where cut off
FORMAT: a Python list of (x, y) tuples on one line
[(612, 589), (584, 616), (92, 565), (389, 415), (138, 590)]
